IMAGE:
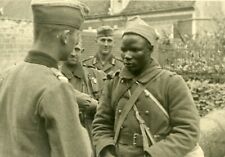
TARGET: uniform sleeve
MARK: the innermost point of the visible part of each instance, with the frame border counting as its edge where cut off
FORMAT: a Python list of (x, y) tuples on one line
[(104, 121), (59, 109), (184, 121)]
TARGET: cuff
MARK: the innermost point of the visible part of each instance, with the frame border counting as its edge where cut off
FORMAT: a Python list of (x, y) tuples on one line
[(103, 144)]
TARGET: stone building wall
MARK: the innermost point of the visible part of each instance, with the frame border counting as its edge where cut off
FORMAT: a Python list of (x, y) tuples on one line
[(15, 41)]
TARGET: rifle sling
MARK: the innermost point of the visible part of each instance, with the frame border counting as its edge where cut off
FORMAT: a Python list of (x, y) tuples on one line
[(130, 103), (127, 107)]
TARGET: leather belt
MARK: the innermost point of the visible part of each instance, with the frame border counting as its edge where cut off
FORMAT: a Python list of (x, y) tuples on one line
[(131, 139)]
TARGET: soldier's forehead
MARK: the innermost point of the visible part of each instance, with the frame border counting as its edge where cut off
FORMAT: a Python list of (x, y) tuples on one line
[(106, 37)]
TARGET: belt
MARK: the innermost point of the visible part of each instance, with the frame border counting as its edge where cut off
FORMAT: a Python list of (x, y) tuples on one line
[(131, 139)]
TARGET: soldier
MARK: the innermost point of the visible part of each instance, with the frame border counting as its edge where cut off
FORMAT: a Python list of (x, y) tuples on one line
[(39, 115), (104, 59), (86, 80), (145, 110)]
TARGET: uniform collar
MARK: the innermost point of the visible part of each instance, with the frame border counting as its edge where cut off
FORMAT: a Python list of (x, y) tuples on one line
[(41, 58), (75, 71), (110, 59), (145, 76), (66, 71)]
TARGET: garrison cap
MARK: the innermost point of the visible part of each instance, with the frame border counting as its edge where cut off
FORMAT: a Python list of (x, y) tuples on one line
[(104, 31), (137, 26), (68, 13)]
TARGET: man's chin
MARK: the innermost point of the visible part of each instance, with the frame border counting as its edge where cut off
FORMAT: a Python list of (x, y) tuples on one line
[(132, 70), (72, 62), (105, 52)]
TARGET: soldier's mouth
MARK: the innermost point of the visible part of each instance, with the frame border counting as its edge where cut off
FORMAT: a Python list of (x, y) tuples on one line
[(128, 64)]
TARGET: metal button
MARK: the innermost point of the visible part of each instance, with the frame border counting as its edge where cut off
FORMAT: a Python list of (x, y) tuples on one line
[(119, 111), (146, 112), (135, 138), (147, 94), (156, 136)]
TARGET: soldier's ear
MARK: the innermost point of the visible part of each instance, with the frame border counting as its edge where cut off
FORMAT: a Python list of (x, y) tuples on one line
[(82, 50), (64, 37)]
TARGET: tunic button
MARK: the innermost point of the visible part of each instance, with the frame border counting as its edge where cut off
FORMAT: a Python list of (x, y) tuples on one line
[(156, 136), (146, 112), (119, 111)]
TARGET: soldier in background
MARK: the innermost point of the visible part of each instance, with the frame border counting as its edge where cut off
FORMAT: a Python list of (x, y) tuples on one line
[(88, 83), (104, 58), (39, 115)]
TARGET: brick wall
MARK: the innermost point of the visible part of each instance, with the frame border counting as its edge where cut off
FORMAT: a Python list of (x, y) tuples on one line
[(15, 41)]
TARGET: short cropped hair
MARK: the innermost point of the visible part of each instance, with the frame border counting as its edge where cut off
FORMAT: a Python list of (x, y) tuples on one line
[(49, 30)]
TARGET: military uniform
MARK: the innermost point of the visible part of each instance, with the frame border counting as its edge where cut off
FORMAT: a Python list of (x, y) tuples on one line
[(111, 66), (175, 136), (39, 115), (39, 112), (86, 80)]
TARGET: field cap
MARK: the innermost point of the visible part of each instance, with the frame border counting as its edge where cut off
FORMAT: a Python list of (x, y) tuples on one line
[(59, 12), (104, 31), (137, 26)]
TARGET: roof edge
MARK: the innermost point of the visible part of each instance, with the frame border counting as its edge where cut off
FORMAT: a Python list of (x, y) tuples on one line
[(142, 13)]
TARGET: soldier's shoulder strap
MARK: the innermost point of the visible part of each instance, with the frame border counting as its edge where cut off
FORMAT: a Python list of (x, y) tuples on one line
[(130, 103), (59, 75), (110, 76), (88, 66), (89, 58), (126, 109), (115, 59)]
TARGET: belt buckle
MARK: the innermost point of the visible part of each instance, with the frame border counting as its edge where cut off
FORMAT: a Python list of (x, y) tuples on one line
[(135, 139)]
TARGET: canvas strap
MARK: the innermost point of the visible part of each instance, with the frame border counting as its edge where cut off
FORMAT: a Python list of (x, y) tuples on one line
[(129, 104)]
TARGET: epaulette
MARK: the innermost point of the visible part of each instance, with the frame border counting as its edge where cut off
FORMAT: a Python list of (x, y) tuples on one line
[(110, 76), (88, 66), (114, 59), (59, 75), (118, 59), (170, 73), (89, 58)]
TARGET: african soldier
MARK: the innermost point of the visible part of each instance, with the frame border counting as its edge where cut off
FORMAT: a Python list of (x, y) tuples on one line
[(144, 110), (39, 115), (86, 80), (104, 59)]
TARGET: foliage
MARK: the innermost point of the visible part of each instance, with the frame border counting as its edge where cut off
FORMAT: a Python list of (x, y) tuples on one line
[(203, 53), (207, 96), (201, 61)]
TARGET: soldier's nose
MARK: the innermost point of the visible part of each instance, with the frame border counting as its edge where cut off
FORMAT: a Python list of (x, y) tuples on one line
[(106, 43), (73, 54), (128, 55)]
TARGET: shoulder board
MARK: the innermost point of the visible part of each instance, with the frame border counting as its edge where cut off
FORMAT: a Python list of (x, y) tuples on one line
[(112, 75), (89, 58), (89, 66), (59, 75), (118, 59), (170, 73)]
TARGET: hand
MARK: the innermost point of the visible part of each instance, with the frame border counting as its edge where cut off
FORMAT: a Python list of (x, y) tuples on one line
[(147, 155), (85, 101), (109, 151)]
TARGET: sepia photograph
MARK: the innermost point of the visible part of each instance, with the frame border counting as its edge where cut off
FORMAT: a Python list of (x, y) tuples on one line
[(112, 78)]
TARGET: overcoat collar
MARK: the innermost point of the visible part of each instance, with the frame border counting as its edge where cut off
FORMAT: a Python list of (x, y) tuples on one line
[(41, 58), (145, 76)]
